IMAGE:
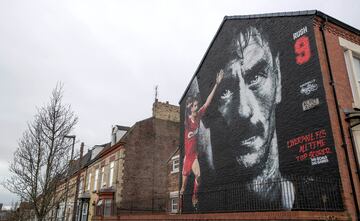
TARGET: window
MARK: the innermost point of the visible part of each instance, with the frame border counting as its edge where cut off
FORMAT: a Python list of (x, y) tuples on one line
[(356, 138), (60, 211), (175, 164), (111, 174), (174, 201), (84, 211), (81, 186), (352, 59), (104, 207), (357, 69), (122, 154), (102, 177), (89, 182), (96, 179), (107, 207), (99, 208), (174, 205)]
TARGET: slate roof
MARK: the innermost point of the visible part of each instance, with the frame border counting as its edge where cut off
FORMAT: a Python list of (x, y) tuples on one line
[(122, 127)]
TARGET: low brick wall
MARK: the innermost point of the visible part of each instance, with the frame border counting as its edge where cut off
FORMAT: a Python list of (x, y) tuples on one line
[(294, 215)]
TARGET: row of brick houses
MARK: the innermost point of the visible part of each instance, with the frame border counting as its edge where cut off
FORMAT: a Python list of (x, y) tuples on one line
[(126, 175)]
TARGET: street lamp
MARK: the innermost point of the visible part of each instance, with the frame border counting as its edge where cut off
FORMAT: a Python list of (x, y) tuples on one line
[(67, 181)]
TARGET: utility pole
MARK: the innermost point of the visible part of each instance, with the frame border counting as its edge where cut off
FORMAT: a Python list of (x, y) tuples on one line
[(76, 198), (156, 92)]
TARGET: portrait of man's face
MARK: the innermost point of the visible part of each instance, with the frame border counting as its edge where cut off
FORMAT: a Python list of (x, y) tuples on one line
[(249, 93), (258, 144)]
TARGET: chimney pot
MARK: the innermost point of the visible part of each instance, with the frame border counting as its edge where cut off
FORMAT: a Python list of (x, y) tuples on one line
[(81, 149)]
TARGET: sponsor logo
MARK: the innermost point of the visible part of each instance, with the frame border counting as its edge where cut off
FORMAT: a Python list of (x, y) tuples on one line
[(310, 104), (308, 87)]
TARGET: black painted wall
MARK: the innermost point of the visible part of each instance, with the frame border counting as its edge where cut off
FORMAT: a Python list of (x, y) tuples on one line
[(264, 142)]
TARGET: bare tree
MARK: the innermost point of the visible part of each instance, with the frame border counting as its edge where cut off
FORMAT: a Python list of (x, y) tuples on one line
[(42, 157)]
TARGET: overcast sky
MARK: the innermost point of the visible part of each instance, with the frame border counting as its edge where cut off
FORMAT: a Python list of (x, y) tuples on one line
[(110, 55)]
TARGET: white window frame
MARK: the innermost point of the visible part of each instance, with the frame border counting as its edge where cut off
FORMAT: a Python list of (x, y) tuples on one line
[(96, 179), (174, 205), (122, 154), (175, 164), (89, 182), (103, 183), (108, 203), (356, 136), (61, 211), (81, 186), (352, 50), (111, 173), (174, 196), (84, 212)]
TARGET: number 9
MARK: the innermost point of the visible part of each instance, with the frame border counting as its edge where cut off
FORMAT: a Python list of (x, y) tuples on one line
[(302, 50)]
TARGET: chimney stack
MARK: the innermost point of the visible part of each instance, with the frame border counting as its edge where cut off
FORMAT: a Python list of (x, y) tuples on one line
[(81, 150)]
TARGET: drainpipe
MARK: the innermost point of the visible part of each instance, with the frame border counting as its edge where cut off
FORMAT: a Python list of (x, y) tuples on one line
[(344, 145)]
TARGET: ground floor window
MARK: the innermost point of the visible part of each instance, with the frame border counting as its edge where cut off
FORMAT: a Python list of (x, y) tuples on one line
[(99, 208), (174, 201), (84, 214), (107, 207), (104, 207), (174, 205), (356, 138), (60, 212)]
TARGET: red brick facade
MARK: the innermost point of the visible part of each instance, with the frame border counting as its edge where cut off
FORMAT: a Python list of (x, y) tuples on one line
[(345, 100)]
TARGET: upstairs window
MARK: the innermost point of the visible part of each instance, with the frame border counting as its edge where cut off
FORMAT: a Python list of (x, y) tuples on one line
[(352, 59), (81, 186), (175, 164), (96, 179), (89, 182), (102, 177), (356, 61), (111, 173)]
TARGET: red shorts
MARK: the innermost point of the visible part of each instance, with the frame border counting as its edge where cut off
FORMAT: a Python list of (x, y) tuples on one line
[(187, 165)]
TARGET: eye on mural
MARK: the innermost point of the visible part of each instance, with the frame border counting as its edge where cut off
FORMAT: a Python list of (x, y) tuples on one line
[(256, 132)]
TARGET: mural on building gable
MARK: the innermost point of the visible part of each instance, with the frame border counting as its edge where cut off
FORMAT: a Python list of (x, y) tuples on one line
[(256, 129)]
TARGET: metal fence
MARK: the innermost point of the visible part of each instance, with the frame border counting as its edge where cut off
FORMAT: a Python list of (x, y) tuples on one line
[(304, 193), (294, 193)]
